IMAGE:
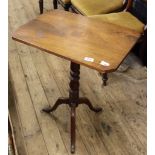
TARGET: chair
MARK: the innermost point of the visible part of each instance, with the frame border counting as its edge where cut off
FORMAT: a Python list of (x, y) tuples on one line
[(95, 7), (125, 19), (64, 3)]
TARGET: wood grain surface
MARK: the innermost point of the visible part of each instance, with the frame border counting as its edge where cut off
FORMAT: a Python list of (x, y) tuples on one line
[(75, 37)]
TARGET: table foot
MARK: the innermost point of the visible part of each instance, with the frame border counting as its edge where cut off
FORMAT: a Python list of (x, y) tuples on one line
[(84, 100), (58, 103)]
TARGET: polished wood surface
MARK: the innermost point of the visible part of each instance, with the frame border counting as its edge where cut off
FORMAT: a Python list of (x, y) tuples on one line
[(75, 37)]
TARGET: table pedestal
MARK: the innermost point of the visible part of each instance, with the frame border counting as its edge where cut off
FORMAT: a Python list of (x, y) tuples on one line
[(73, 100)]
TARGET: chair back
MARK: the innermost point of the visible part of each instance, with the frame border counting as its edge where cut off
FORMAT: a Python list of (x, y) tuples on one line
[(128, 5)]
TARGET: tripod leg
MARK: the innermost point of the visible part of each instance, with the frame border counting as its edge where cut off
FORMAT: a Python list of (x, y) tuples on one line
[(73, 126), (84, 100), (58, 102), (41, 6)]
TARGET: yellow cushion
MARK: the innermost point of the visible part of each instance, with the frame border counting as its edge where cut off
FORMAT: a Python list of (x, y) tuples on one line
[(94, 7), (125, 19), (66, 1)]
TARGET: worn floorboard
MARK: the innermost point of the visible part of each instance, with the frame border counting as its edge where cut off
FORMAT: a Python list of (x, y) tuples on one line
[(37, 79)]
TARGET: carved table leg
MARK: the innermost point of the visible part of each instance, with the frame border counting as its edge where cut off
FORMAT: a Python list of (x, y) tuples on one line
[(41, 3), (84, 100), (58, 102), (73, 101)]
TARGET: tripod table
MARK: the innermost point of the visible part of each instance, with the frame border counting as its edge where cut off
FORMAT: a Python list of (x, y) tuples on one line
[(83, 41)]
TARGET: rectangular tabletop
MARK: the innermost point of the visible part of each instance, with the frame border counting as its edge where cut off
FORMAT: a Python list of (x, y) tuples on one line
[(78, 38)]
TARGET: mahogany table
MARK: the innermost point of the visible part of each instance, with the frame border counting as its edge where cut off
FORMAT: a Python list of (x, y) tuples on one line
[(83, 41)]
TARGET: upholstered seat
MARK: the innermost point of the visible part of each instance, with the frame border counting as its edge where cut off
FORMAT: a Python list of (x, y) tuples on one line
[(94, 7), (125, 19)]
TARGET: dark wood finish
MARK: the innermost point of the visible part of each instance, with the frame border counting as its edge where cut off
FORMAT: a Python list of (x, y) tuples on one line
[(73, 127), (74, 84), (129, 5), (73, 101), (41, 6), (55, 4), (84, 100), (58, 102), (104, 78), (143, 48), (74, 98), (80, 37), (66, 7)]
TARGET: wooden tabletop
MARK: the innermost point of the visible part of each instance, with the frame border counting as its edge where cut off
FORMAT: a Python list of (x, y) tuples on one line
[(79, 39)]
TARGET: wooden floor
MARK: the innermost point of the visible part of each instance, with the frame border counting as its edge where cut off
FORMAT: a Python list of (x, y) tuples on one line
[(37, 79)]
